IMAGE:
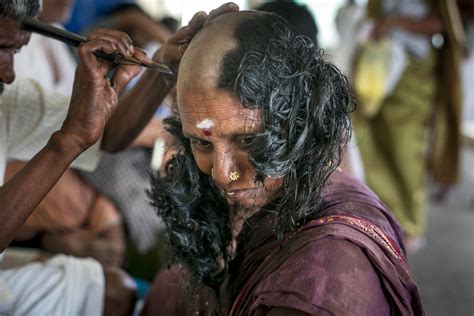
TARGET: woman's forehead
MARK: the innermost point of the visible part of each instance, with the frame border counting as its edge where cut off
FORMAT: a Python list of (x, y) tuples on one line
[(220, 104), (215, 109)]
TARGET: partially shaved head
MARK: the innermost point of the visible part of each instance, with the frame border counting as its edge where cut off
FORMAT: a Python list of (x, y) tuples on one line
[(201, 65)]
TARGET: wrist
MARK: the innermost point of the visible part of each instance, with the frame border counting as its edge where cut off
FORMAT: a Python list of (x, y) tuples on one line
[(65, 145)]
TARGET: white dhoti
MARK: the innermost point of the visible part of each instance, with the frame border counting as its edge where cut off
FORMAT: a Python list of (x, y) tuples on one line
[(61, 286)]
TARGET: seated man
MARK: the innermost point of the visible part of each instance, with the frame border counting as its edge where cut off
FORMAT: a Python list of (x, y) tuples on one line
[(33, 120)]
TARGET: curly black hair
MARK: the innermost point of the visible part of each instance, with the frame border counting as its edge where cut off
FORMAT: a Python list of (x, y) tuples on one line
[(18, 9), (194, 211), (305, 104)]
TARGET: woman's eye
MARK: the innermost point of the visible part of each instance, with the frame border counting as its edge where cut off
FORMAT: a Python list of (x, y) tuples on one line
[(245, 140), (201, 144)]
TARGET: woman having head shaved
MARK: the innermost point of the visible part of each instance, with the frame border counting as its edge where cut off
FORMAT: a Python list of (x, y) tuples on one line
[(259, 218)]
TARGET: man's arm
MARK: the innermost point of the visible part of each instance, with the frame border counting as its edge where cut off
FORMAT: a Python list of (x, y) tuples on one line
[(20, 196), (93, 101), (138, 106)]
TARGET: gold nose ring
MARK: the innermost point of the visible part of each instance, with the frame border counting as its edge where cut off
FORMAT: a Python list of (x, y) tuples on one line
[(234, 176)]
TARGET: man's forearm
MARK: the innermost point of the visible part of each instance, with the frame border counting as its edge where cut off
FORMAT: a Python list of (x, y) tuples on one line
[(135, 110), (22, 193)]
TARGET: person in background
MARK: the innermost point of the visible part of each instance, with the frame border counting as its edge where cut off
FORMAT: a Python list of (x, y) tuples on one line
[(260, 220), (171, 23), (348, 22), (131, 19), (298, 17), (467, 69), (87, 12), (115, 14), (393, 135)]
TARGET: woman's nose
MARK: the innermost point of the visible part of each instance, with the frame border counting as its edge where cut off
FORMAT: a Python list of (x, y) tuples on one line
[(225, 168)]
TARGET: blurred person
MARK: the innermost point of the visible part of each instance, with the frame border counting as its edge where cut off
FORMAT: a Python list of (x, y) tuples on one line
[(122, 15), (131, 19), (171, 23), (298, 17), (419, 44), (467, 70), (86, 12), (348, 21), (33, 120), (260, 220)]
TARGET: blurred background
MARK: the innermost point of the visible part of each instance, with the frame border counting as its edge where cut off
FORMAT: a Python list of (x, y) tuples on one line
[(411, 65)]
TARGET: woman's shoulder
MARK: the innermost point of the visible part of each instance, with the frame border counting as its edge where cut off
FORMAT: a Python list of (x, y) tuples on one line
[(347, 196), (327, 274)]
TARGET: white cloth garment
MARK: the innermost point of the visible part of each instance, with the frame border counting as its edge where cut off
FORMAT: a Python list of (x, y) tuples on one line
[(48, 61), (63, 285), (28, 117)]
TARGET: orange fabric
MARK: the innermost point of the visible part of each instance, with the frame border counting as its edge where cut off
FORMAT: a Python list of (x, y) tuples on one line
[(70, 205)]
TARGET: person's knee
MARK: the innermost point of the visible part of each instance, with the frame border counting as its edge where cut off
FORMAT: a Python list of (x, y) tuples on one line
[(120, 292)]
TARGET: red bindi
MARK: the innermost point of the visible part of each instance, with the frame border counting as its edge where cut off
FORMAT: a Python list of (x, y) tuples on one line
[(207, 132)]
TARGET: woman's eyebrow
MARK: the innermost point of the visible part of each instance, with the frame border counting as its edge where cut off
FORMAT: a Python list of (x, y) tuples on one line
[(243, 135)]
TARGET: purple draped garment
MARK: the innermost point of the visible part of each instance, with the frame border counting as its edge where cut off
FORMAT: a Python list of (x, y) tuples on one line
[(349, 260)]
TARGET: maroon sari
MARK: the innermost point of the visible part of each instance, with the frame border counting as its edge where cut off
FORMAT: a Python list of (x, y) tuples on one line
[(347, 261)]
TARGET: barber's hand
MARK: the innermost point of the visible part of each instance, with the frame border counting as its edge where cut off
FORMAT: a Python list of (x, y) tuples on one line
[(172, 51), (95, 97)]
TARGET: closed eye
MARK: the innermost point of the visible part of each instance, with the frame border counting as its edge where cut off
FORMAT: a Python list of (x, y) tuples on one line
[(244, 140), (200, 144)]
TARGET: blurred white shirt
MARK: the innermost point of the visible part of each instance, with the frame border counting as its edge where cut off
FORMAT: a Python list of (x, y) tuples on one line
[(48, 61)]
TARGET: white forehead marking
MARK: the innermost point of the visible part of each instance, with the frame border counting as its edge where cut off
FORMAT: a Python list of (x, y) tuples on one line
[(206, 123)]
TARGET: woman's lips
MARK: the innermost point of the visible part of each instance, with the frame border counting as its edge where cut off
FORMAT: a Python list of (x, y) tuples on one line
[(239, 195)]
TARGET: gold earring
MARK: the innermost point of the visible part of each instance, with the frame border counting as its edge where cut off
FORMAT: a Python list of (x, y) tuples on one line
[(212, 173), (234, 176)]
